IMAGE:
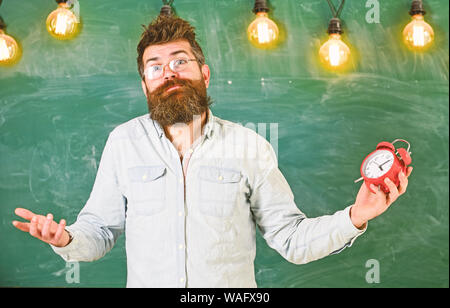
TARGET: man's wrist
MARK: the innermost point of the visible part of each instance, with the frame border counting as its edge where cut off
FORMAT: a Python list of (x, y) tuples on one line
[(357, 221), (65, 240)]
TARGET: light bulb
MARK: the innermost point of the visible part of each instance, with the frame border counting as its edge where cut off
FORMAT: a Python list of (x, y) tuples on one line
[(62, 23), (9, 49), (418, 34), (263, 32), (334, 53)]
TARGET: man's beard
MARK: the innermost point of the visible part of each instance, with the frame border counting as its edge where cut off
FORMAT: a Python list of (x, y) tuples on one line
[(179, 105)]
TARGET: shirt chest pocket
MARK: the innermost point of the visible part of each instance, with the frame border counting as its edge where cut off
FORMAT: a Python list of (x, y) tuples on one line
[(148, 189), (218, 190)]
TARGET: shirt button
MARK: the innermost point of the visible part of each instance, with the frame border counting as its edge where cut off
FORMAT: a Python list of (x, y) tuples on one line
[(220, 178), (180, 213), (181, 279), (181, 181), (144, 177), (191, 151), (180, 246)]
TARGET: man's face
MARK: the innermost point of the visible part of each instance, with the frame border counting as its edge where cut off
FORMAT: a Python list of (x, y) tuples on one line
[(175, 97)]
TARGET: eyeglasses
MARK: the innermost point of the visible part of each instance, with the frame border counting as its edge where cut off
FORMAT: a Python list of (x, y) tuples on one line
[(176, 65)]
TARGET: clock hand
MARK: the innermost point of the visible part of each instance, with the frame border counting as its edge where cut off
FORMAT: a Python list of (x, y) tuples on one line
[(383, 164), (379, 166)]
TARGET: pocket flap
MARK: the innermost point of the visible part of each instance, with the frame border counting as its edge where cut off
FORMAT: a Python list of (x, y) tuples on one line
[(146, 173), (219, 175)]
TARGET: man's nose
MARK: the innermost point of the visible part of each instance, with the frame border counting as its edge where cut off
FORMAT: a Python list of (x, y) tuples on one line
[(168, 73)]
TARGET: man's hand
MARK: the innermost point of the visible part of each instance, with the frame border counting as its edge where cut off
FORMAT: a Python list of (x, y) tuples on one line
[(43, 228), (369, 205)]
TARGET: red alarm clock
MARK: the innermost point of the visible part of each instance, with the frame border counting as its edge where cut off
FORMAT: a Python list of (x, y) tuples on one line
[(385, 161)]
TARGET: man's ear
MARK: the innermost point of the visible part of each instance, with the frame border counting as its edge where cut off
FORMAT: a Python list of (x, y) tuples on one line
[(206, 74), (144, 88)]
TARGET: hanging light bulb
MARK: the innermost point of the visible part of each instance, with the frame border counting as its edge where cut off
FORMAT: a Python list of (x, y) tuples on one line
[(334, 53), (166, 9), (418, 35), (9, 49), (262, 32), (62, 22)]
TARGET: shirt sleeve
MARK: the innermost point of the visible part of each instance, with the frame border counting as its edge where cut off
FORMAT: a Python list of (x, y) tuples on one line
[(285, 228), (102, 220)]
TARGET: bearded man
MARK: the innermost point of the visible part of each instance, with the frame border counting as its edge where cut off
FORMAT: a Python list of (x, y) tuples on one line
[(189, 189)]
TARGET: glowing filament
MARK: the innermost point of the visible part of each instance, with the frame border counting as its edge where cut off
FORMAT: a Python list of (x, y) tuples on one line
[(263, 33), (418, 36), (62, 22), (334, 55), (4, 50)]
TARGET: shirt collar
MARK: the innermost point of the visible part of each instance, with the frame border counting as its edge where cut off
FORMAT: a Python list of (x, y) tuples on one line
[(207, 129)]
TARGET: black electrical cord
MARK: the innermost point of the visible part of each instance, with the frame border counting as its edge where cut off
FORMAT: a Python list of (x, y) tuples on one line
[(335, 13)]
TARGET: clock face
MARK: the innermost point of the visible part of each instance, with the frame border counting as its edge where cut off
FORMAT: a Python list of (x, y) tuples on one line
[(377, 164)]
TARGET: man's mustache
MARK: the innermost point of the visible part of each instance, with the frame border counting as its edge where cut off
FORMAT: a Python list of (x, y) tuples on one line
[(171, 83)]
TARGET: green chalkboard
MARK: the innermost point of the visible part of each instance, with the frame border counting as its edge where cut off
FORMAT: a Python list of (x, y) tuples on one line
[(58, 104)]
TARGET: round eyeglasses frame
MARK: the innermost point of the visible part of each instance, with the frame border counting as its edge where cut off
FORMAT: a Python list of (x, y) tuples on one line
[(153, 72)]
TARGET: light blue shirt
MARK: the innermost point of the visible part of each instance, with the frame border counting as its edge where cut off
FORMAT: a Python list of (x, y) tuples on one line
[(197, 231)]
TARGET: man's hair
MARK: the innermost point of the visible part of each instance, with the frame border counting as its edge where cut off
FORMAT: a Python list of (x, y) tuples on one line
[(165, 29)]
